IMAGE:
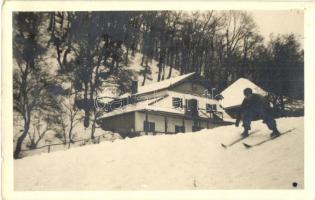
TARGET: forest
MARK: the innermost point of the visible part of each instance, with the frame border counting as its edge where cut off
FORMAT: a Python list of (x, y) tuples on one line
[(62, 60)]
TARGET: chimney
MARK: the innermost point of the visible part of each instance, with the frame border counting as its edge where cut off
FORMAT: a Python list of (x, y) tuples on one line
[(134, 87)]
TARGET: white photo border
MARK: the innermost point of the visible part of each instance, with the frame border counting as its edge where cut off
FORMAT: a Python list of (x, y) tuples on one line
[(7, 100)]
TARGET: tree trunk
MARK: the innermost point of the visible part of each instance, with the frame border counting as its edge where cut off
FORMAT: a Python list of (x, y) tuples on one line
[(160, 72), (282, 107), (142, 60), (126, 58), (86, 106), (171, 66), (163, 74), (161, 63), (156, 51), (20, 140), (70, 130), (133, 49), (145, 73), (93, 126), (116, 67), (170, 72)]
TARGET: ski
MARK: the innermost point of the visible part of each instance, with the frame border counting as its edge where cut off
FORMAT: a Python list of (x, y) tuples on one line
[(237, 140), (248, 146)]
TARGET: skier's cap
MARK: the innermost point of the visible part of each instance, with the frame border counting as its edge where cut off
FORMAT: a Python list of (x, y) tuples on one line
[(248, 91)]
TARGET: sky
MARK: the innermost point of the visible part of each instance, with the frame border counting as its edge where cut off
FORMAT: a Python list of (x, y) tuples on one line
[(280, 22)]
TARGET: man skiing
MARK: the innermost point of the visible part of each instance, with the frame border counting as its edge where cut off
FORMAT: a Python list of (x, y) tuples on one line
[(254, 105)]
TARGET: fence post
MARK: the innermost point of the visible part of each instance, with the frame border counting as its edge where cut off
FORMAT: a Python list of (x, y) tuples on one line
[(47, 141)]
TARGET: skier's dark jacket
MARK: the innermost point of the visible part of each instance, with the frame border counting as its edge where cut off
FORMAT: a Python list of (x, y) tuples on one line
[(255, 103)]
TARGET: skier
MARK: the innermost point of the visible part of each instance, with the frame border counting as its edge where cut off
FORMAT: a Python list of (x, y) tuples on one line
[(254, 105)]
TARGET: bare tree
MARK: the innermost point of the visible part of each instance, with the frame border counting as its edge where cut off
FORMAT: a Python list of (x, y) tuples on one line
[(40, 128), (67, 119), (31, 83)]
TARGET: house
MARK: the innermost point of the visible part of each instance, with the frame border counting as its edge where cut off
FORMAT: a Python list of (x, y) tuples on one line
[(179, 104), (232, 97)]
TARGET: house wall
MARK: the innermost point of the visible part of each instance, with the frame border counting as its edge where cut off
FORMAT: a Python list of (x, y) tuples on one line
[(211, 125), (203, 124), (202, 101), (188, 125), (172, 121), (123, 124), (157, 119), (131, 124)]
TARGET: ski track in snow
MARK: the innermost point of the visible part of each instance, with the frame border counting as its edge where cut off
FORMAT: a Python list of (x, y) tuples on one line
[(172, 162)]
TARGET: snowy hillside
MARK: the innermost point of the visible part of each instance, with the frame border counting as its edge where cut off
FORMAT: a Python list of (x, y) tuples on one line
[(111, 90), (135, 64), (135, 67), (182, 161)]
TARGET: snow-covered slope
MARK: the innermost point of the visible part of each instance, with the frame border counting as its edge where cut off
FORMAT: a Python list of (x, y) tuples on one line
[(182, 161), (134, 65), (110, 90)]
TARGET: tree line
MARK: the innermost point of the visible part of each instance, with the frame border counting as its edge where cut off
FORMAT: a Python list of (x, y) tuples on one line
[(93, 50)]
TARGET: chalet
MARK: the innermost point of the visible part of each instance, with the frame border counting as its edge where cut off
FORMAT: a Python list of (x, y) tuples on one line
[(180, 104)]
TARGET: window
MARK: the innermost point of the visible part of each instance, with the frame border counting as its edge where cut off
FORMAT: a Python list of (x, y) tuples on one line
[(192, 108), (179, 129), (148, 126), (177, 102), (211, 107), (196, 128)]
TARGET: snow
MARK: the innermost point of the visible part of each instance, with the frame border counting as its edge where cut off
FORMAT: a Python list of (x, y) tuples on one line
[(233, 95), (163, 84), (134, 65), (181, 161), (143, 105), (108, 93), (80, 134), (164, 104)]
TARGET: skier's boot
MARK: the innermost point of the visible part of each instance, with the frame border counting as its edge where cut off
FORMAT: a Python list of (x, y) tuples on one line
[(245, 133), (275, 133)]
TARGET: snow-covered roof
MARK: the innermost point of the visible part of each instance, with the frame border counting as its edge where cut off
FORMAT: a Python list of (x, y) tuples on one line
[(143, 105), (163, 84), (233, 95), (163, 104), (159, 85)]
